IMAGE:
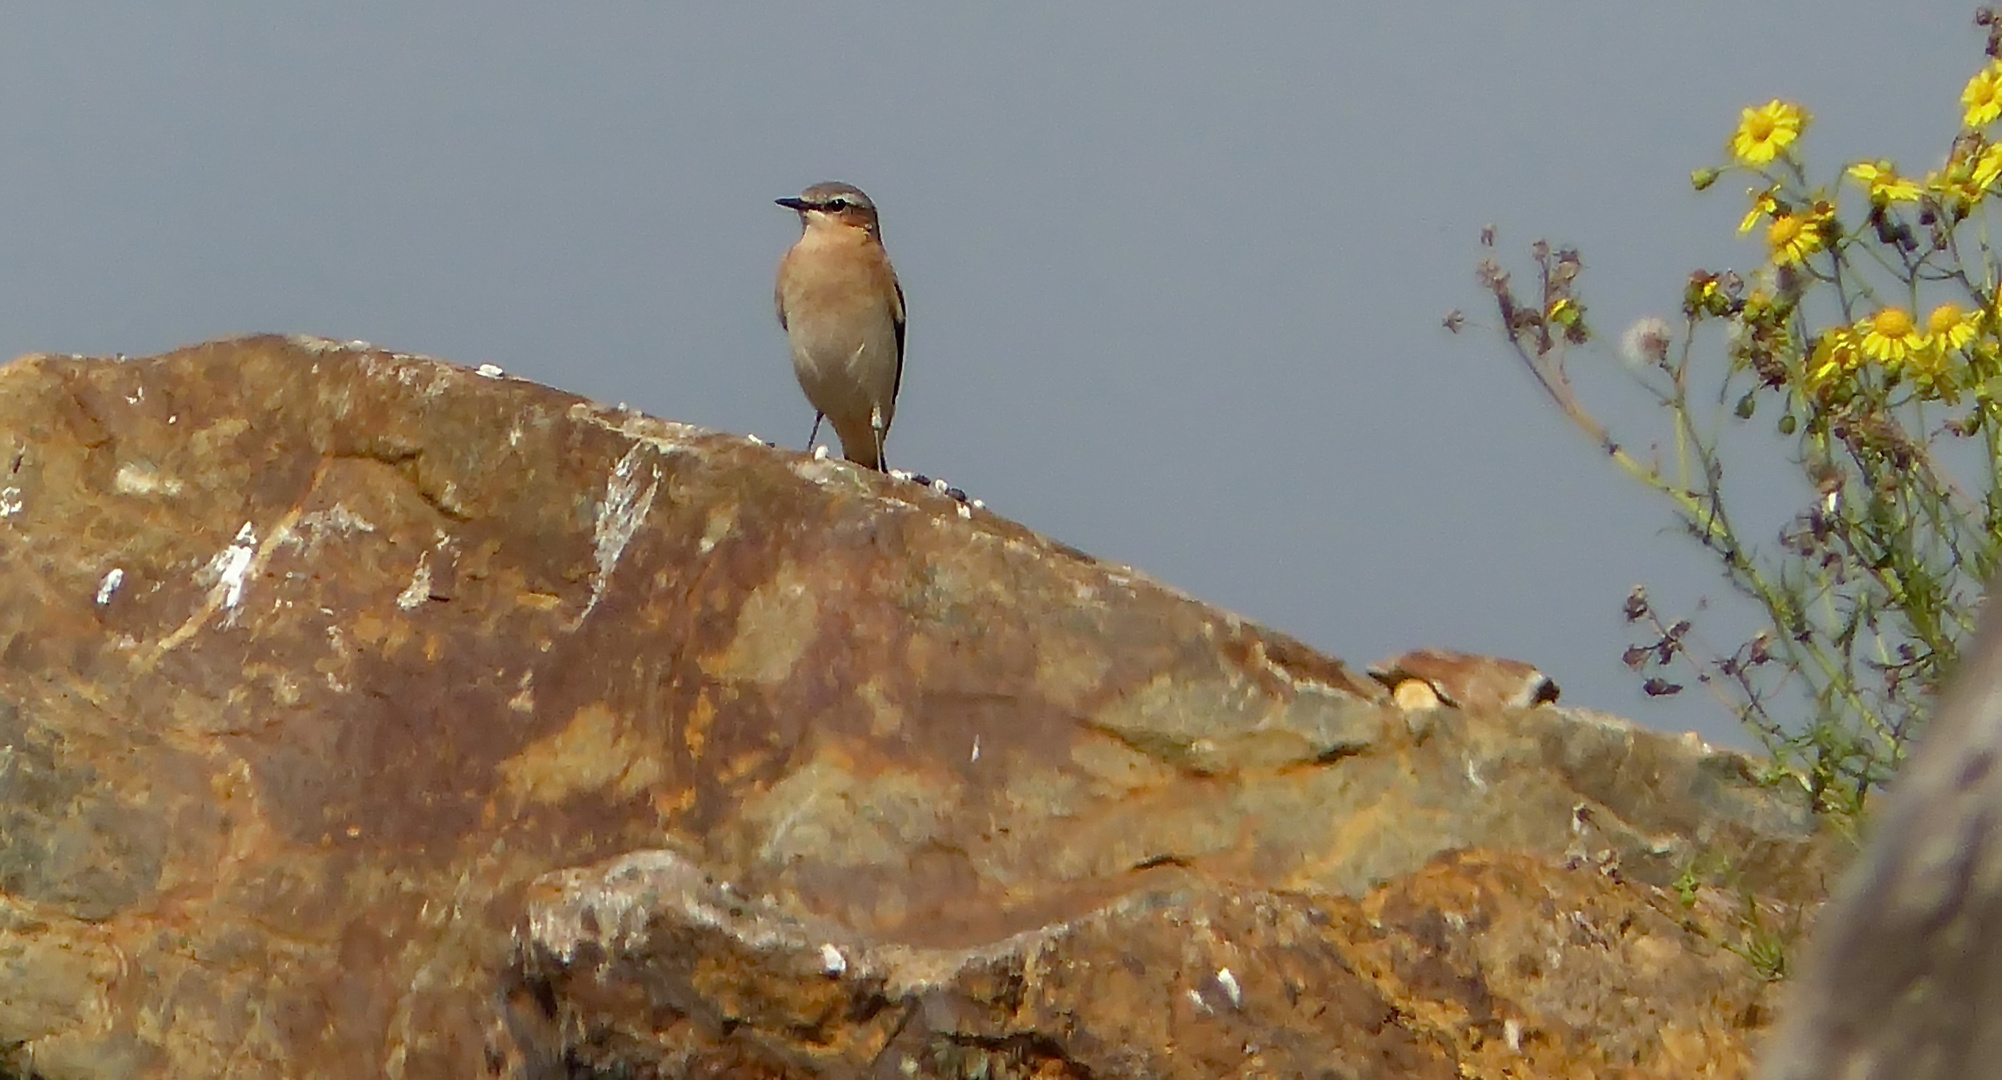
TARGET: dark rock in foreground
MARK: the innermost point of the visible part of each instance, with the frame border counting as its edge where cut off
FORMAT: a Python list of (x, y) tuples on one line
[(363, 715)]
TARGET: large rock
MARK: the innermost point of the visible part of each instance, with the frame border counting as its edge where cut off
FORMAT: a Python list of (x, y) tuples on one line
[(365, 715)]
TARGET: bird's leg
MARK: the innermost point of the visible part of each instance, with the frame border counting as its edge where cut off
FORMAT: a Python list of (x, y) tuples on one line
[(877, 428), (818, 416)]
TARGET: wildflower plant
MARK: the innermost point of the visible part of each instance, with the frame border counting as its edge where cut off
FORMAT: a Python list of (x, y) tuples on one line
[(1867, 342)]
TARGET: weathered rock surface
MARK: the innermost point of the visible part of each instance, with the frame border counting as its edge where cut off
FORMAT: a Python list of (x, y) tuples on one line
[(1474, 965), (364, 715)]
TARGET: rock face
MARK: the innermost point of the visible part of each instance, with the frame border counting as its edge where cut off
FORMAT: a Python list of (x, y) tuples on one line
[(363, 715)]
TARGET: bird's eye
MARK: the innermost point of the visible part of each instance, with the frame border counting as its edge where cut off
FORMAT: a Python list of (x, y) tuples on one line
[(837, 204)]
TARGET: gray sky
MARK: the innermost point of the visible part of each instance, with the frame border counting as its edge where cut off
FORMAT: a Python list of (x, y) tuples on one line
[(1174, 279)]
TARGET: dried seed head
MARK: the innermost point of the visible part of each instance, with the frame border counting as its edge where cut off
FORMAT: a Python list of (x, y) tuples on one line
[(1646, 342)]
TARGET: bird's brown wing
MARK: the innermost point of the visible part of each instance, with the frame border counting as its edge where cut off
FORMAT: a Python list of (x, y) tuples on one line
[(778, 292), (897, 315)]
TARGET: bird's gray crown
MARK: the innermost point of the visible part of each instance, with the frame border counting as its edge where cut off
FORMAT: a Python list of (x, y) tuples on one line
[(819, 195)]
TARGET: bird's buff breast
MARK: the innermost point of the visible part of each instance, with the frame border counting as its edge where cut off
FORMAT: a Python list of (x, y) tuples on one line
[(850, 360)]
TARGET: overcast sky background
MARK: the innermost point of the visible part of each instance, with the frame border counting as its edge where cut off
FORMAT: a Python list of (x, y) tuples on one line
[(1174, 279)]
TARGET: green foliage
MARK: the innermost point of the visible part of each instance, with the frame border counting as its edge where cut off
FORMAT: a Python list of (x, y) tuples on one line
[(1865, 349), (1761, 945), (1695, 874)]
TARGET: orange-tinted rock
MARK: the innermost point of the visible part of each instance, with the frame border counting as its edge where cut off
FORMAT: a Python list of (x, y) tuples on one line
[(315, 659), (1474, 965)]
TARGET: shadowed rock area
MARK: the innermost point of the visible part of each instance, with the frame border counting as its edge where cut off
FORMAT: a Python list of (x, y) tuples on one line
[(364, 715)]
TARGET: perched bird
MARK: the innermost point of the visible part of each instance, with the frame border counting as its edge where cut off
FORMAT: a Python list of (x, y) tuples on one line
[(843, 314)]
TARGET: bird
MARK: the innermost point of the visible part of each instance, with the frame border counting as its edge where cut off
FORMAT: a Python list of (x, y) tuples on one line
[(842, 311), (1428, 678)]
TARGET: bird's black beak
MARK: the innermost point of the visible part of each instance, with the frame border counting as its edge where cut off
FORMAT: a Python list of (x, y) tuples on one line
[(794, 203)]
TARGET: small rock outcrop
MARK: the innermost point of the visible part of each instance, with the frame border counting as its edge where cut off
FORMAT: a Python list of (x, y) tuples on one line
[(364, 715)]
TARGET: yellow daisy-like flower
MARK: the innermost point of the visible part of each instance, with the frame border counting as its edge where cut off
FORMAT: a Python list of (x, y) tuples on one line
[(1884, 183), (1983, 96), (1987, 168), (1983, 361), (1890, 337), (1765, 131), (1954, 187), (1793, 237), (1931, 371), (1834, 357), (1951, 326), (1953, 183), (1763, 205)]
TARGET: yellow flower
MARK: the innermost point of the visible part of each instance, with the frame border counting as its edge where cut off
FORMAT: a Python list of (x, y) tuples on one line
[(1983, 96), (1983, 361), (1763, 205), (1704, 296), (1951, 326), (1793, 237), (1890, 337), (1987, 167), (1834, 357), (1954, 187), (1765, 131), (1884, 183), (1933, 375)]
